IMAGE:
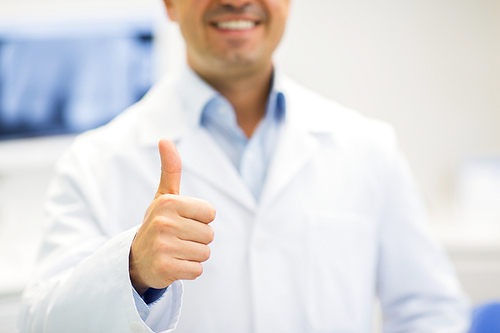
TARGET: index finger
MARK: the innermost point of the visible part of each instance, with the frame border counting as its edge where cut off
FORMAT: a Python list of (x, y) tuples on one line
[(192, 208)]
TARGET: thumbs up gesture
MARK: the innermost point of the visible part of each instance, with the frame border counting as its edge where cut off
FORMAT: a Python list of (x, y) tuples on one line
[(173, 239)]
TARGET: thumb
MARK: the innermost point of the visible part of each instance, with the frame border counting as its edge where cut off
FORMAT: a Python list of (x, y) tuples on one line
[(171, 167)]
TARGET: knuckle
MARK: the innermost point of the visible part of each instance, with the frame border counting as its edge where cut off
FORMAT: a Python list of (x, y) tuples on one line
[(166, 268), (158, 221), (167, 201), (160, 268), (166, 247), (163, 224)]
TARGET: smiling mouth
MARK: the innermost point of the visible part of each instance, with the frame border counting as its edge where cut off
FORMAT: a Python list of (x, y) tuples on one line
[(235, 25)]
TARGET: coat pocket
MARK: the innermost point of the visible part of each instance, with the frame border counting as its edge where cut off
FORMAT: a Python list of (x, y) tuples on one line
[(341, 262)]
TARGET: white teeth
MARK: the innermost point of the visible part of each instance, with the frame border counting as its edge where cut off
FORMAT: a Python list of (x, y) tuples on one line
[(236, 25)]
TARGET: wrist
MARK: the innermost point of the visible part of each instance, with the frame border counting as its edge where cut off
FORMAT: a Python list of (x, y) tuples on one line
[(136, 281)]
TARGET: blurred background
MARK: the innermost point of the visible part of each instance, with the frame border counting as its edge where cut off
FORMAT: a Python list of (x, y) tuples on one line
[(430, 68)]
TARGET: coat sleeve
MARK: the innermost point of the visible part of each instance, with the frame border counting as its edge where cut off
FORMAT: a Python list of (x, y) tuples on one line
[(417, 286), (82, 281)]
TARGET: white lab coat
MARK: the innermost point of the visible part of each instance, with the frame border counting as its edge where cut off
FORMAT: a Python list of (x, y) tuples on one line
[(338, 223)]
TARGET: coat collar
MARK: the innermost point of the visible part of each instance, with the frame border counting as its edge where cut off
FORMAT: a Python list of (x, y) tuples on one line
[(160, 114), (163, 114)]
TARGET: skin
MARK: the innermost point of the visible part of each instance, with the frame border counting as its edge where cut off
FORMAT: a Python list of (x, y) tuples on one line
[(173, 239), (236, 63)]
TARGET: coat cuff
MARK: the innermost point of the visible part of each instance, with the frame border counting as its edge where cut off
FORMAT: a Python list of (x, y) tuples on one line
[(100, 289)]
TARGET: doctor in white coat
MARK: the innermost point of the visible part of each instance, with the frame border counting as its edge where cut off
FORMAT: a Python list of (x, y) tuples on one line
[(293, 213)]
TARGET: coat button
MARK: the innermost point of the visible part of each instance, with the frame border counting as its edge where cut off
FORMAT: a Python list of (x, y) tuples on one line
[(137, 327)]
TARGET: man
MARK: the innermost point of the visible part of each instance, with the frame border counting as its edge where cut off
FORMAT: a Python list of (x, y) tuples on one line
[(317, 214)]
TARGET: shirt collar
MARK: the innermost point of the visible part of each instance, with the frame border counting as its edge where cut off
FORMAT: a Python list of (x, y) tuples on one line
[(196, 94), (276, 106)]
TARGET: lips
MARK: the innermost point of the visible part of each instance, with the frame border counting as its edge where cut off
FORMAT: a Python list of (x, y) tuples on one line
[(236, 25), (230, 18)]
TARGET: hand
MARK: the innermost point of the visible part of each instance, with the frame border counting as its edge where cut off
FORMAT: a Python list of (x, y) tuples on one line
[(173, 239)]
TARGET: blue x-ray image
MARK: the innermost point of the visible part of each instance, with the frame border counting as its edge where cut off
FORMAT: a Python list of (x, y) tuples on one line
[(67, 84)]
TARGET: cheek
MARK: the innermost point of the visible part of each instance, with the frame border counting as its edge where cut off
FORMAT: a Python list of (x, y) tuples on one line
[(278, 10), (191, 29), (278, 7), (276, 29)]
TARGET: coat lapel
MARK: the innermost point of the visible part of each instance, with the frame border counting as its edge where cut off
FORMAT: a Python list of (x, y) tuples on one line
[(295, 148), (202, 157), (199, 153), (298, 141)]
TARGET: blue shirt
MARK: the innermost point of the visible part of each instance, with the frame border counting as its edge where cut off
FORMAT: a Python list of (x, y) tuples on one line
[(207, 108)]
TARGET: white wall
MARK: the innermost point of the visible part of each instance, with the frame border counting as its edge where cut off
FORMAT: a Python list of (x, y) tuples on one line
[(431, 68)]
